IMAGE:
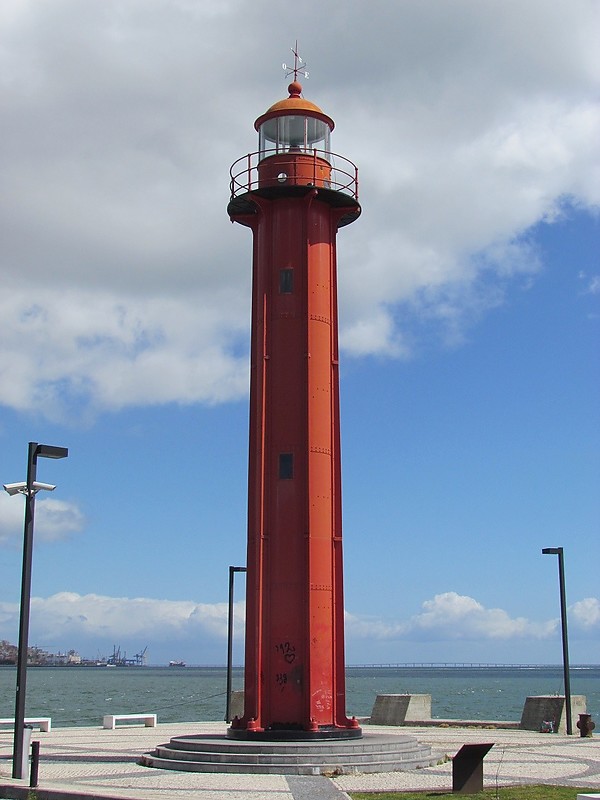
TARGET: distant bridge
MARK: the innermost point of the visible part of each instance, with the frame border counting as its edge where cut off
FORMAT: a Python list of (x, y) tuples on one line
[(465, 665)]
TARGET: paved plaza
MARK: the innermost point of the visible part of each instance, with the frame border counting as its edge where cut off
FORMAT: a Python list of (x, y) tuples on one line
[(94, 762)]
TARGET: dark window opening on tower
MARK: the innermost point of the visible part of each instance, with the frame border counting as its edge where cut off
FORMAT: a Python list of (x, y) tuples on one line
[(286, 281), (286, 466)]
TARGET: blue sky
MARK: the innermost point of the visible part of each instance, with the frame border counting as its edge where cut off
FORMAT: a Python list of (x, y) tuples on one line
[(469, 309)]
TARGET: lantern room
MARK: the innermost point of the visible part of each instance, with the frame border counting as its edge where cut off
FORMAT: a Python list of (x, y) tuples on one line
[(294, 125)]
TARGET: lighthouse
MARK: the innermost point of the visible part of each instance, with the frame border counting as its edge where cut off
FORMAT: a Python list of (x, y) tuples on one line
[(294, 194)]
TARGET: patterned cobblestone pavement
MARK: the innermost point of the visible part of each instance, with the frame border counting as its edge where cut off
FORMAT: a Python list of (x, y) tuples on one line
[(93, 762)]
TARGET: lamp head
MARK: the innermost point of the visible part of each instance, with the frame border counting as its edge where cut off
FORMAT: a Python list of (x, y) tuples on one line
[(552, 551), (49, 451)]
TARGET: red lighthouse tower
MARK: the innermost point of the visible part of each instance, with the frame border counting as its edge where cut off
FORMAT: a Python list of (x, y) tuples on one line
[(294, 194)]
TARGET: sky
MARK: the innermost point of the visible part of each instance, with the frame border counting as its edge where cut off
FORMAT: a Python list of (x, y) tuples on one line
[(469, 318)]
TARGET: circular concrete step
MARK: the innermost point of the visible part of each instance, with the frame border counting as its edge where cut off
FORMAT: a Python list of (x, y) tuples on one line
[(373, 753)]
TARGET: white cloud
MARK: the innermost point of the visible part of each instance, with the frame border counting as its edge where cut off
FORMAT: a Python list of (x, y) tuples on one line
[(586, 615), (11, 519), (123, 281), (57, 519), (458, 616), (69, 617), (112, 352), (450, 616), (54, 520), (85, 622)]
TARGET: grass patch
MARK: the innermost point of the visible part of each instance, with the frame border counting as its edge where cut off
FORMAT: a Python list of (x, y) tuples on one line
[(502, 793)]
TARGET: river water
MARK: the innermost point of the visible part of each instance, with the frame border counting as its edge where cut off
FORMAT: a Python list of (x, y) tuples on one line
[(80, 696)]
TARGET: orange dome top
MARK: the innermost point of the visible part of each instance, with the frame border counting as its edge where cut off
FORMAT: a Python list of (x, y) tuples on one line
[(293, 105)]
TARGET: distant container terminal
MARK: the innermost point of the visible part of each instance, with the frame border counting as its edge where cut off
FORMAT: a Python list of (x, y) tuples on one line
[(37, 657)]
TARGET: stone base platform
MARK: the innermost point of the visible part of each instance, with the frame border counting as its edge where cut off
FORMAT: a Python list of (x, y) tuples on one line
[(373, 753)]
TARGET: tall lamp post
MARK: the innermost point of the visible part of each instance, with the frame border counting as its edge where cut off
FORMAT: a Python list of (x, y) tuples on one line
[(232, 571), (558, 551), (29, 490)]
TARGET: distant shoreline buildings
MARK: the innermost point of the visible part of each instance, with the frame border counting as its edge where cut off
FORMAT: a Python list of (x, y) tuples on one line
[(38, 657)]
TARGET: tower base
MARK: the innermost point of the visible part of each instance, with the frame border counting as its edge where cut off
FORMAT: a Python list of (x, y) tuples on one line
[(291, 735)]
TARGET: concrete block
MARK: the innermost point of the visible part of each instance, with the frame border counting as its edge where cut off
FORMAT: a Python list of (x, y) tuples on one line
[(397, 709), (236, 704), (551, 708), (588, 797), (109, 721), (43, 723)]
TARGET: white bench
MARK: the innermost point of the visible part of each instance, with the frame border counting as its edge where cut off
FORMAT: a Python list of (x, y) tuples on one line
[(110, 720), (43, 723)]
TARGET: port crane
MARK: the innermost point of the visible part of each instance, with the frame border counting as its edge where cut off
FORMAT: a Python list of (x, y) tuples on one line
[(120, 660)]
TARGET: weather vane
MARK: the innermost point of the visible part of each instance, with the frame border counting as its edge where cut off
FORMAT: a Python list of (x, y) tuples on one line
[(299, 65)]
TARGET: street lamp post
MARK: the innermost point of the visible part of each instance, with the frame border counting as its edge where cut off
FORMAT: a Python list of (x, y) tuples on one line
[(558, 551), (232, 571), (29, 490)]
